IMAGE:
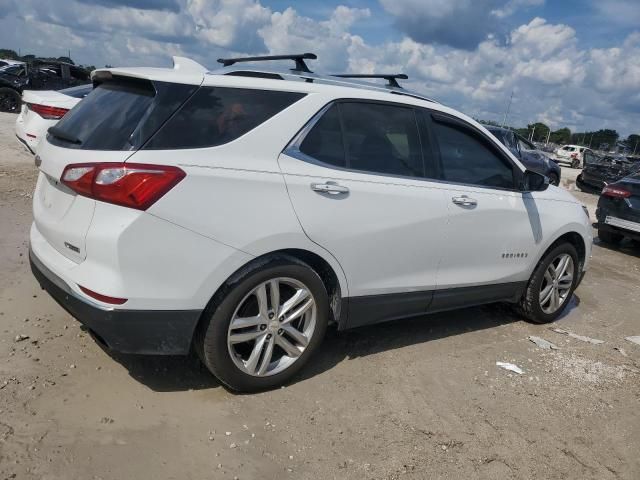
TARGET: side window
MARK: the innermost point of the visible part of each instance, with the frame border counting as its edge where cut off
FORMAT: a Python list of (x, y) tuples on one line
[(589, 158), (217, 115), (467, 159), (382, 138), (324, 141)]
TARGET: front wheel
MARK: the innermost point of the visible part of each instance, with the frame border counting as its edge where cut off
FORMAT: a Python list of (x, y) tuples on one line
[(553, 179), (269, 322), (575, 163), (551, 285)]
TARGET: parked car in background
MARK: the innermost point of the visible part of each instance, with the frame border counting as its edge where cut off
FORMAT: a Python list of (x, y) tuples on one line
[(618, 211), (42, 109), (532, 157), (238, 212), (37, 75), (4, 62), (599, 171), (571, 154)]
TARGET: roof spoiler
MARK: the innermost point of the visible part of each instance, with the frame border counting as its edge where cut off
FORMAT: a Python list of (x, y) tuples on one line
[(186, 65)]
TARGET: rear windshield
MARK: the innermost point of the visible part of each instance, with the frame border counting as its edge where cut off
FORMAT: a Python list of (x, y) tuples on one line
[(77, 92), (106, 119), (218, 115)]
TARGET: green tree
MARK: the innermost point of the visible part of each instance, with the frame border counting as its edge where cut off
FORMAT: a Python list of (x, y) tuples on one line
[(9, 54), (539, 131), (562, 136)]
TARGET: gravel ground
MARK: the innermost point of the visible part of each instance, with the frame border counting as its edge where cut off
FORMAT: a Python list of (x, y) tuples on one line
[(414, 399)]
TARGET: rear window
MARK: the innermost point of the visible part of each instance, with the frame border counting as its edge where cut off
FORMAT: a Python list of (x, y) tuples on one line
[(218, 115), (77, 92), (119, 115)]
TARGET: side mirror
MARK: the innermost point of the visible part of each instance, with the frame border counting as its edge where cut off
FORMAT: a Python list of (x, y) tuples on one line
[(534, 182)]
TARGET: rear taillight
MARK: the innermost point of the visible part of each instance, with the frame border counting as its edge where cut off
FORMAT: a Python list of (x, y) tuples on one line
[(615, 192), (574, 155), (133, 185), (45, 111)]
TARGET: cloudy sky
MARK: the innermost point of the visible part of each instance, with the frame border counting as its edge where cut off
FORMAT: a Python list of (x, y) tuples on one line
[(569, 63)]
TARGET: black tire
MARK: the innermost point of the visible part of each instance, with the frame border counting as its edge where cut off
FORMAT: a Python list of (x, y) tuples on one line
[(211, 338), (10, 100), (553, 179), (575, 163), (529, 305), (607, 236)]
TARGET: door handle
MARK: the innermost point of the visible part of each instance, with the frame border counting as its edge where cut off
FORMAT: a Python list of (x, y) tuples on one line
[(464, 201), (329, 187)]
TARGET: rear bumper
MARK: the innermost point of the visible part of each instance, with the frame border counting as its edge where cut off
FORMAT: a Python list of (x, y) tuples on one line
[(151, 332), (622, 231)]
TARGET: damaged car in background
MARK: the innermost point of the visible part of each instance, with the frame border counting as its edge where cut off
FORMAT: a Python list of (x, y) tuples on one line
[(42, 109), (530, 155), (599, 171), (618, 210), (37, 75)]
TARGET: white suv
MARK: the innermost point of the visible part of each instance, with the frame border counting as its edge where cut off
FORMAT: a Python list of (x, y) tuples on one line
[(571, 154), (239, 212)]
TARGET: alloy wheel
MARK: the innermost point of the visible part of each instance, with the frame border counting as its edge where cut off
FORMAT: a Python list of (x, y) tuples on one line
[(556, 283), (272, 326)]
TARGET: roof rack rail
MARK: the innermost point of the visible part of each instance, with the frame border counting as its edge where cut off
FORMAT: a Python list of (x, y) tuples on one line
[(299, 58), (392, 78)]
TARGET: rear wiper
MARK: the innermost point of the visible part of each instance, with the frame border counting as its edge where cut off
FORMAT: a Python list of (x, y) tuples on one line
[(62, 135)]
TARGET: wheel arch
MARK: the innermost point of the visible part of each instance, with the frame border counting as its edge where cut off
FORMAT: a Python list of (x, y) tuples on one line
[(572, 237), (332, 278)]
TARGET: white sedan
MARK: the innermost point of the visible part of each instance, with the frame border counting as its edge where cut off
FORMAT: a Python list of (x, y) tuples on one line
[(42, 109)]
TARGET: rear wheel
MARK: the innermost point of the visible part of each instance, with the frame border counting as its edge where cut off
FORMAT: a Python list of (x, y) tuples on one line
[(10, 100), (551, 286), (575, 163), (266, 326), (610, 237)]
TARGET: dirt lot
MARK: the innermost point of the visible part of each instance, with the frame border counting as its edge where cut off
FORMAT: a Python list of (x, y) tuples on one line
[(414, 399)]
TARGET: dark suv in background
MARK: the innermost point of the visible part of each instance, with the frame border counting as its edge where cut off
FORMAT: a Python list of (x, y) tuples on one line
[(37, 75), (532, 158)]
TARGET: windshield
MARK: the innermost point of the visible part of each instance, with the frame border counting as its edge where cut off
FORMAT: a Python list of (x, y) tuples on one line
[(78, 92), (16, 70)]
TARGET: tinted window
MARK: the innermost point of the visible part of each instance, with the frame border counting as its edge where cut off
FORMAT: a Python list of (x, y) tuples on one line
[(78, 92), (106, 118), (382, 138), (324, 141), (17, 70), (465, 158), (119, 115), (216, 115)]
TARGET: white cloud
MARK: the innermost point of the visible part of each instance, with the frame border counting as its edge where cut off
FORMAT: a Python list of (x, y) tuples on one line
[(512, 6), (554, 78)]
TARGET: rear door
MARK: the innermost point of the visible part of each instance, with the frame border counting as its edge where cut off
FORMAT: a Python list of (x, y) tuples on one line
[(356, 178), (492, 228)]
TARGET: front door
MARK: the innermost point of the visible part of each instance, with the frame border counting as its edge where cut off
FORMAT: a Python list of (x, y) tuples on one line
[(493, 228)]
